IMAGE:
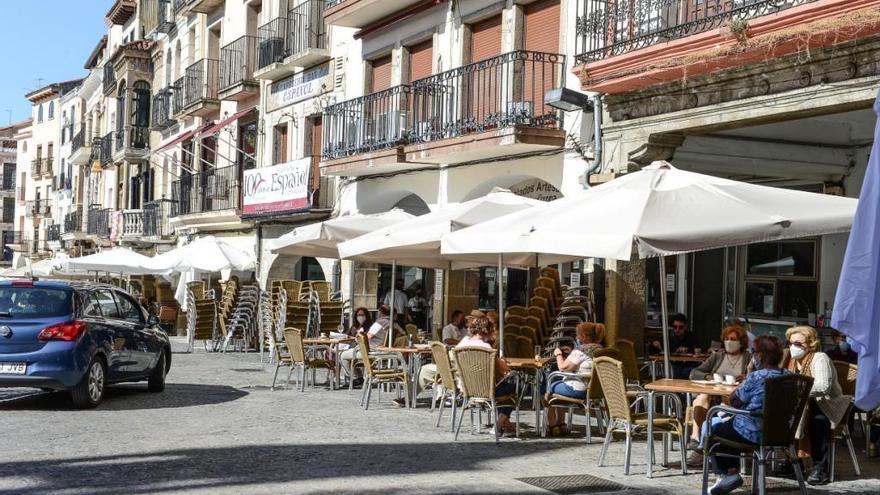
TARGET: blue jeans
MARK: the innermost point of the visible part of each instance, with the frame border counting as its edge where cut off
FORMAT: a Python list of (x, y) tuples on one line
[(506, 387), (725, 429), (562, 388)]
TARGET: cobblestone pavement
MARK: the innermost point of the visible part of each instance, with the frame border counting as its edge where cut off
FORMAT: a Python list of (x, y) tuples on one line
[(219, 429)]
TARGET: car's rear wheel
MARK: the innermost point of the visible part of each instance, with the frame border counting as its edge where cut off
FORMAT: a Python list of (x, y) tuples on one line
[(90, 390), (156, 383)]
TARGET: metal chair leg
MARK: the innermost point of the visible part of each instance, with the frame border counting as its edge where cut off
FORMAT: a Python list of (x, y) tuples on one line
[(705, 488), (791, 454), (275, 375), (460, 419), (628, 449), (832, 456), (682, 447), (440, 408), (608, 433), (852, 451)]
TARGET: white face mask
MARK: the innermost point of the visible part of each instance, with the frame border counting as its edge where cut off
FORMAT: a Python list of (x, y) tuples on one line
[(361, 319), (796, 352), (731, 345)]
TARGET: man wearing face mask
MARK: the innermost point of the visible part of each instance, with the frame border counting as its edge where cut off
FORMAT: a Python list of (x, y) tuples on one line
[(733, 360), (841, 350)]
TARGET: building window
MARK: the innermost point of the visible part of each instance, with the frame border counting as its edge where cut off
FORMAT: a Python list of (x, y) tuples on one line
[(780, 279), (279, 152), (8, 210), (51, 110), (40, 113), (247, 144)]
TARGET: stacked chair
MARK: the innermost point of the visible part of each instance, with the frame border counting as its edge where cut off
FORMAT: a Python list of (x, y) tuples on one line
[(241, 326), (201, 317)]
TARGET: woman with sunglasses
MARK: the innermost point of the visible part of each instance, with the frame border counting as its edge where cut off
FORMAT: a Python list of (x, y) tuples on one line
[(827, 402)]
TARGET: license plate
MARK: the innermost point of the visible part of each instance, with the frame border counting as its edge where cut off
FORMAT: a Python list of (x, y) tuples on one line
[(13, 368)]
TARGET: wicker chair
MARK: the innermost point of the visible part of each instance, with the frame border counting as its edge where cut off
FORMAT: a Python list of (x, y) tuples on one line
[(293, 337), (780, 419), (622, 417), (538, 325), (476, 367), (541, 315), (378, 376), (282, 358), (515, 320), (547, 294), (321, 288), (446, 381), (545, 306), (517, 311)]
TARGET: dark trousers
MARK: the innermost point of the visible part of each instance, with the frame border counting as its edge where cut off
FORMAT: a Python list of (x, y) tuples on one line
[(820, 430), (721, 464), (507, 387)]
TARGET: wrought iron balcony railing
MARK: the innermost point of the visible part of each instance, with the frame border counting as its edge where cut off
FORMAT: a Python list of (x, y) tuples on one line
[(497, 92), (138, 138), (37, 208), (214, 189), (273, 38), (79, 139), (201, 82), (8, 182), (307, 28), (106, 149), (41, 167), (156, 215), (53, 232), (605, 28), (162, 110), (73, 221), (99, 222), (177, 96), (370, 123), (238, 61)]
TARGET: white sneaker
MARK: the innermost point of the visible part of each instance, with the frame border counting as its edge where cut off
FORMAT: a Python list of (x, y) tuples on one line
[(726, 483)]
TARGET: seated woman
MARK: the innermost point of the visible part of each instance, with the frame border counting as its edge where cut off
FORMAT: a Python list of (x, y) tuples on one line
[(733, 360), (749, 396), (481, 333), (361, 321), (827, 403), (579, 360)]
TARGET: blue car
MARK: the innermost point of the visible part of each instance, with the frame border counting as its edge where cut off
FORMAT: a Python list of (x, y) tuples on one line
[(79, 337)]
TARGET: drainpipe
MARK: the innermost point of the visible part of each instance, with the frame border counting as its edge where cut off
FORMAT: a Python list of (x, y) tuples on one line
[(597, 140)]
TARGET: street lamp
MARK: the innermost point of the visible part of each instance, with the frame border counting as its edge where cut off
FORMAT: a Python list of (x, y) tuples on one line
[(568, 100)]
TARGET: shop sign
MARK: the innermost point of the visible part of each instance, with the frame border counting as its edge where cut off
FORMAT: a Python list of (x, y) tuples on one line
[(536, 189), (279, 188), (298, 87)]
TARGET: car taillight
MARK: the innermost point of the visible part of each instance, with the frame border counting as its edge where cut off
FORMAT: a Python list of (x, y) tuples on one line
[(66, 331)]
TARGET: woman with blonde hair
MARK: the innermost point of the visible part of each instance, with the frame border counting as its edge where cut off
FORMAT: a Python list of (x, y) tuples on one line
[(827, 402), (580, 361), (733, 360)]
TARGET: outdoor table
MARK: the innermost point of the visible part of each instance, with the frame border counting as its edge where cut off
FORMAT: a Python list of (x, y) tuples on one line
[(414, 364), (333, 343), (531, 368), (687, 387)]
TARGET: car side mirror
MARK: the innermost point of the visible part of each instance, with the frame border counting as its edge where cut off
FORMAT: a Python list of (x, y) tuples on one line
[(152, 320)]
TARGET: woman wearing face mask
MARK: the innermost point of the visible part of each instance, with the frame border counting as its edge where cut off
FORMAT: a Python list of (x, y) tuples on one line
[(362, 321), (842, 350), (827, 403), (733, 360)]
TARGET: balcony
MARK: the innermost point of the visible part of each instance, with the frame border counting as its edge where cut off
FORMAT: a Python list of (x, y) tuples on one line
[(204, 6), (133, 62), (121, 12), (182, 7), (73, 226), (274, 38), (132, 143), (99, 222), (37, 208), (605, 29), (80, 148), (238, 61), (105, 150), (53, 233), (61, 182), (163, 109), (201, 83), (132, 225), (41, 168), (371, 128), (211, 196), (109, 79), (157, 16), (307, 44), (157, 227), (488, 108), (13, 239), (362, 13), (8, 182)]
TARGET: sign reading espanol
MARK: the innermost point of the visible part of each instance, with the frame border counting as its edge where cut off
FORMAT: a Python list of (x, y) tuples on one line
[(279, 188), (299, 87)]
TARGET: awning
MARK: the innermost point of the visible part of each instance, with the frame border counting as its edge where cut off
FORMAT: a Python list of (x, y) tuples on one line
[(186, 135), (225, 122)]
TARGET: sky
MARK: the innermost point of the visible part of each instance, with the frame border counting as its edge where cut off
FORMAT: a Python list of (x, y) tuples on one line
[(44, 39)]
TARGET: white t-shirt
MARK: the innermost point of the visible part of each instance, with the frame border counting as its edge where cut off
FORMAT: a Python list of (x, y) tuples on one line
[(473, 342), (417, 304), (452, 332), (400, 300), (377, 333), (583, 359)]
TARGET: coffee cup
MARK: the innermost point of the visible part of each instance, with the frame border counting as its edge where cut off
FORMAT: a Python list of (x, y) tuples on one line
[(717, 378), (698, 350), (729, 379)]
